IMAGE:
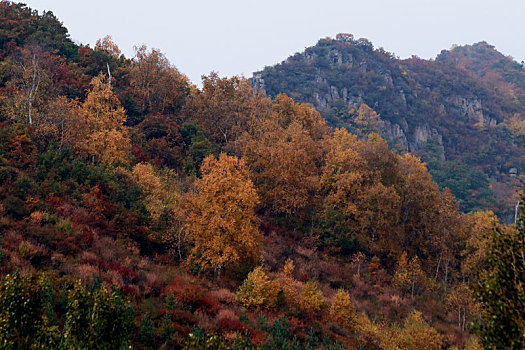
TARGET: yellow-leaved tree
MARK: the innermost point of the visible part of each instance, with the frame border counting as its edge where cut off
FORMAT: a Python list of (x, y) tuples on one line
[(409, 277), (103, 136), (163, 202), (311, 299), (258, 290), (418, 334), (342, 310), (225, 107), (222, 224), (158, 86), (367, 121)]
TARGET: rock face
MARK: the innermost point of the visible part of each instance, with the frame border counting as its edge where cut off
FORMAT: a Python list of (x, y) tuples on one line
[(470, 108), (423, 134), (258, 82), (396, 135)]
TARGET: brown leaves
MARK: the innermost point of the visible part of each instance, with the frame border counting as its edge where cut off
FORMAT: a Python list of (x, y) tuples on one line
[(158, 86), (226, 107)]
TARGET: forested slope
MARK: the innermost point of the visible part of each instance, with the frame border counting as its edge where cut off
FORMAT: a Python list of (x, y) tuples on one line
[(137, 210)]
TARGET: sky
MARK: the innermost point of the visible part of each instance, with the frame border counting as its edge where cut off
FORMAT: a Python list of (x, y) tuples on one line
[(239, 37)]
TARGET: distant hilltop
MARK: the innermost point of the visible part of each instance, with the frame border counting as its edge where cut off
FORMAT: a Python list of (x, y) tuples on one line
[(462, 113)]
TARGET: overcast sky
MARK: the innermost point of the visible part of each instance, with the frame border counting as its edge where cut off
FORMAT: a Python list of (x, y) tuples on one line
[(243, 36)]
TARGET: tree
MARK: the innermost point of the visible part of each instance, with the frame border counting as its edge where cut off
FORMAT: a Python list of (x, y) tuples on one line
[(32, 78), (479, 231), (417, 334), (163, 202), (367, 121), (289, 284), (222, 224), (146, 331), (409, 274), (158, 87), (286, 111), (284, 167), (107, 44), (345, 173), (462, 302), (311, 298), (354, 182), (501, 289), (97, 319), (258, 290), (225, 107), (59, 123), (284, 153), (342, 310), (103, 136), (419, 206), (26, 313), (94, 319), (158, 139)]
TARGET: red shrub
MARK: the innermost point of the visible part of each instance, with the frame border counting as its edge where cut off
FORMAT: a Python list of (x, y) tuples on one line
[(208, 304), (227, 320), (184, 292), (182, 317), (130, 290), (223, 295)]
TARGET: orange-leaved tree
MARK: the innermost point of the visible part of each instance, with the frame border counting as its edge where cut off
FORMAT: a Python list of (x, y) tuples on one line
[(284, 153), (222, 224), (103, 138)]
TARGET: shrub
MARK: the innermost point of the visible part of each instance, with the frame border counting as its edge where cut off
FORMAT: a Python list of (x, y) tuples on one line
[(415, 334), (342, 311), (224, 296), (258, 290), (311, 298)]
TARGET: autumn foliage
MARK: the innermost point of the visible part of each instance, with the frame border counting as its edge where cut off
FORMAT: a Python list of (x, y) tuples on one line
[(222, 224), (137, 209)]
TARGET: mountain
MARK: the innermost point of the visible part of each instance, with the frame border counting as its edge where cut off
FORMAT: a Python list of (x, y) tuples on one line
[(139, 211), (462, 113)]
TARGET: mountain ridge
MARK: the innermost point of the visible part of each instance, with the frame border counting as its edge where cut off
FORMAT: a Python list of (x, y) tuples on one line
[(437, 109)]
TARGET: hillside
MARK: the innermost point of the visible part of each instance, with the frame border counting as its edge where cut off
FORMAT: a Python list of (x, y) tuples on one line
[(139, 211), (462, 113)]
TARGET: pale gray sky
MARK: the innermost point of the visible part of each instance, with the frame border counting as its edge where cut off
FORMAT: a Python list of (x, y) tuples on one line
[(242, 36)]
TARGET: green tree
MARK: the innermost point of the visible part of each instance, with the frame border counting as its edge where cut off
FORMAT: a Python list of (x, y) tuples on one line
[(97, 319), (502, 290), (26, 313), (146, 333)]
